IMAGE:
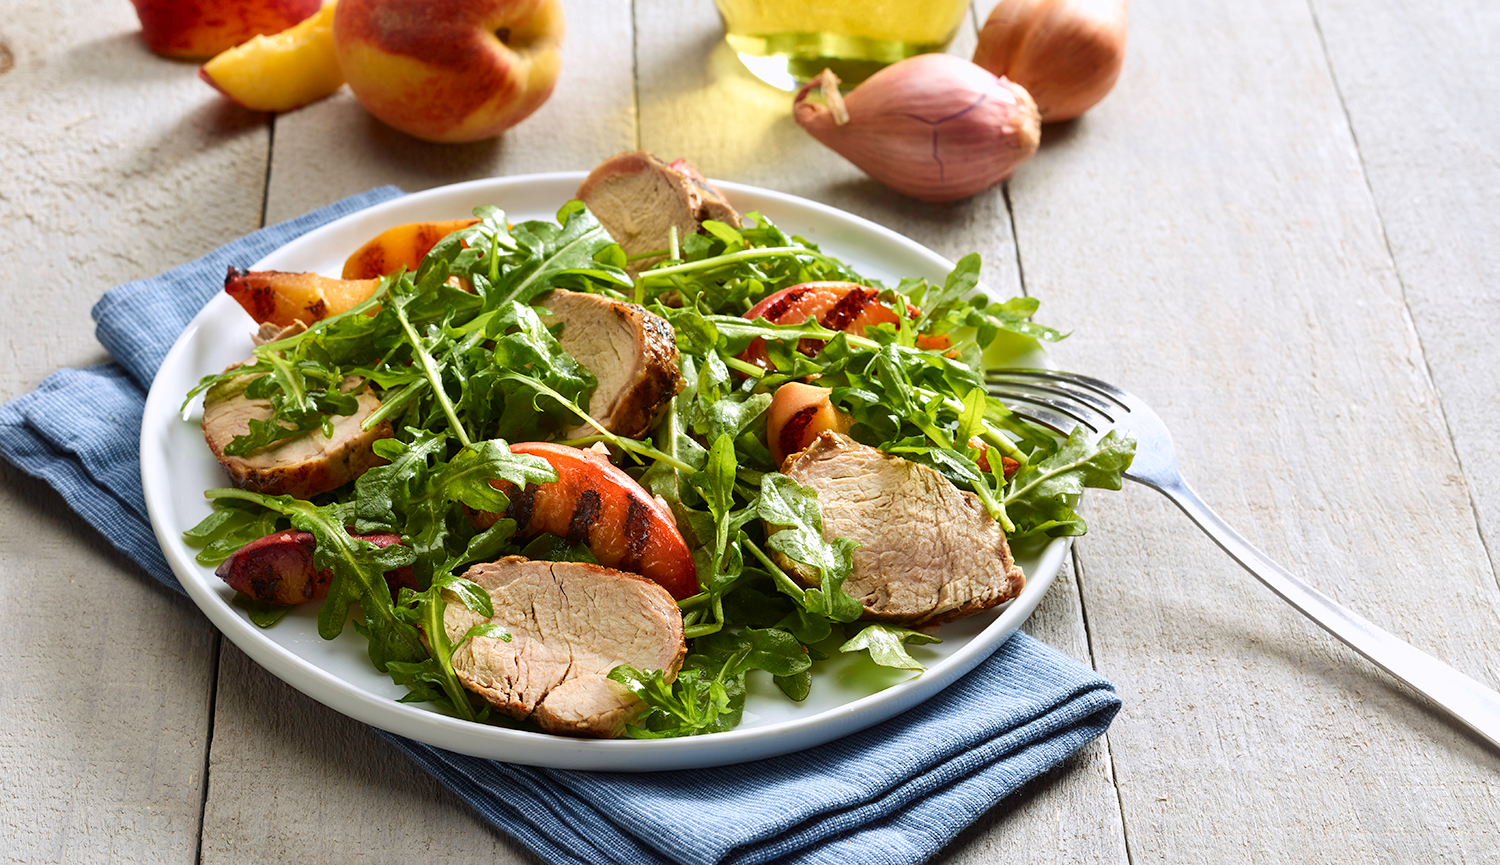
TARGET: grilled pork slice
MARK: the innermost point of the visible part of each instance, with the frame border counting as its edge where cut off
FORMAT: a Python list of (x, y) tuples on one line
[(570, 624), (638, 199), (302, 466), (631, 352), (928, 551)]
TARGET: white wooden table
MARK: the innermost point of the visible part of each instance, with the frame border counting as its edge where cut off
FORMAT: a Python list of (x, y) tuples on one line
[(1282, 228)]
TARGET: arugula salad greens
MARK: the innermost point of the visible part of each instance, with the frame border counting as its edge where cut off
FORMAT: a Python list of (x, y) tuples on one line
[(462, 373)]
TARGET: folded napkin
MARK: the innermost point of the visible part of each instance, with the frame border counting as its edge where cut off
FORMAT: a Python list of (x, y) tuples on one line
[(896, 793)]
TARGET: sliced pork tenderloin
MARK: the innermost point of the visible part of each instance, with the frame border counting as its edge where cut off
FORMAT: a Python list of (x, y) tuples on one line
[(638, 199), (632, 353), (570, 623), (302, 466), (928, 551)]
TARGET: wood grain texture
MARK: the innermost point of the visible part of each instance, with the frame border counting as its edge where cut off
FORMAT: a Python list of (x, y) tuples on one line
[(1208, 234), (335, 148), (104, 695), (1421, 85), (293, 781)]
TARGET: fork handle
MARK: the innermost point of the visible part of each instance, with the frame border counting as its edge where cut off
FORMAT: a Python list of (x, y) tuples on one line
[(1468, 701)]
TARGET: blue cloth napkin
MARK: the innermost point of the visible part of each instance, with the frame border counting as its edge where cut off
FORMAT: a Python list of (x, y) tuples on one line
[(896, 793)]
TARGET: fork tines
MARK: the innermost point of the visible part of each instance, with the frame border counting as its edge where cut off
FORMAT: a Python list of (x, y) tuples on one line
[(1058, 400)]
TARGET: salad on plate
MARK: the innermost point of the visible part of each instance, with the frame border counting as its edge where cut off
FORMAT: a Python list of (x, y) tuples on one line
[(586, 476)]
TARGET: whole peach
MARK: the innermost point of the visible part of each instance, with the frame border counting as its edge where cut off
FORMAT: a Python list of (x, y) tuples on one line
[(450, 70), (195, 29)]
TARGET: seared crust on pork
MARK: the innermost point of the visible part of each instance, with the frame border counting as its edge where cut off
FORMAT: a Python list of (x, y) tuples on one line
[(632, 353), (302, 466), (928, 551), (570, 623), (638, 199)]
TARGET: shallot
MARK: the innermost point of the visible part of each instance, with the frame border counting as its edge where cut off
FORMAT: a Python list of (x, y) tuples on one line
[(1067, 53), (934, 126)]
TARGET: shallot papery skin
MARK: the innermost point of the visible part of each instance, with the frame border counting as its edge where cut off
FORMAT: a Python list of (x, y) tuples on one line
[(1068, 53), (935, 127)]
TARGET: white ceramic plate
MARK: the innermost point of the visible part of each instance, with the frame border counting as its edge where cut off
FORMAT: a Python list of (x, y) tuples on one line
[(848, 693)]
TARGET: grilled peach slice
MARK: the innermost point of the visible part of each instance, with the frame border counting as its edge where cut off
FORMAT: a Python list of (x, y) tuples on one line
[(401, 247), (278, 568), (281, 298), (594, 503), (798, 412), (845, 306)]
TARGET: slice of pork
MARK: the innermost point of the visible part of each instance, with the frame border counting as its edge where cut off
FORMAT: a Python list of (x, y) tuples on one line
[(632, 353), (928, 551), (302, 466), (570, 623), (271, 332), (638, 198)]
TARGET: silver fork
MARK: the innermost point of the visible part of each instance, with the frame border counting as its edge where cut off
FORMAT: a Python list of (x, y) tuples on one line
[(1061, 401)]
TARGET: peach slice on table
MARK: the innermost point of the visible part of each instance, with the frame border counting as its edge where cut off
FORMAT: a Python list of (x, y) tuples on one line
[(402, 247), (281, 72), (282, 298)]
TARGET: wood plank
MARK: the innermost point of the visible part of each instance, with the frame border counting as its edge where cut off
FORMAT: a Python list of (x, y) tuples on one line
[(698, 102), (1208, 234), (284, 754), (292, 781), (1070, 814), (118, 165), (1421, 84)]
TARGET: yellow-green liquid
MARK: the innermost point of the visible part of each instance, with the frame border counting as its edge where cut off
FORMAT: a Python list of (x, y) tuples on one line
[(788, 42)]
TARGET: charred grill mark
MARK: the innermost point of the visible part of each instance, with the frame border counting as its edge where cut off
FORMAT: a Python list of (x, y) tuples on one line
[(371, 263), (636, 534), (810, 347), (264, 299), (318, 309), (849, 307), (585, 513), (265, 586), (775, 311), (521, 505), (795, 429)]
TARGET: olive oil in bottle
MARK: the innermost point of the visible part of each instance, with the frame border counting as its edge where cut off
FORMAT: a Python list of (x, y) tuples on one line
[(787, 42)]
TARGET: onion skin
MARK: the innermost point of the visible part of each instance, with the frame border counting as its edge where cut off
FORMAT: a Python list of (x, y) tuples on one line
[(1066, 53), (934, 126)]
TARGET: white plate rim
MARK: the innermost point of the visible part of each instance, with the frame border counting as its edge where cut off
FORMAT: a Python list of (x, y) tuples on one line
[(524, 747)]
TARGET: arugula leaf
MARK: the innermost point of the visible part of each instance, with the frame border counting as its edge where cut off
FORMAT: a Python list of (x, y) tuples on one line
[(694, 703), (885, 645), (709, 693), (230, 525), (1042, 493), (558, 255), (358, 568), (793, 510), (261, 613)]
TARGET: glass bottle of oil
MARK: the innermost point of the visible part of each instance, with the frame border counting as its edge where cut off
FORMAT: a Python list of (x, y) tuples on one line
[(787, 42)]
